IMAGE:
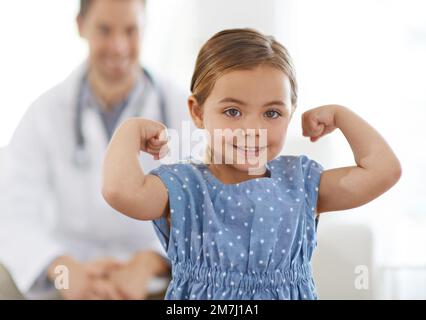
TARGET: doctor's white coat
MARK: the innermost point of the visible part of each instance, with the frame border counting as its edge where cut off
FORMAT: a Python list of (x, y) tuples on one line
[(48, 205)]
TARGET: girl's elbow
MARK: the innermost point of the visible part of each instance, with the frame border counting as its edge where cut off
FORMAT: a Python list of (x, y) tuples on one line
[(111, 195), (113, 192), (126, 204), (393, 174), (396, 171)]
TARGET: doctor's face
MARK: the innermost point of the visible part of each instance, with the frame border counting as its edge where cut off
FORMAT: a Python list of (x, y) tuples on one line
[(113, 30)]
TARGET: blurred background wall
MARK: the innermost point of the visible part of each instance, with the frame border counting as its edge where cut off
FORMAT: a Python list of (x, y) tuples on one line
[(367, 55)]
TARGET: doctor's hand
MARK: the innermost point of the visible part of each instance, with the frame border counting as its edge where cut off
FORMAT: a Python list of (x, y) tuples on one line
[(133, 278), (318, 122), (87, 281)]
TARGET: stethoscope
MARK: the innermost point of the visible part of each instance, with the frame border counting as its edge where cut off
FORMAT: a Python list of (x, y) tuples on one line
[(81, 157)]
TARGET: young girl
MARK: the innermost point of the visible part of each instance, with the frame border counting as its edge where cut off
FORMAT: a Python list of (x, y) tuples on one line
[(232, 232)]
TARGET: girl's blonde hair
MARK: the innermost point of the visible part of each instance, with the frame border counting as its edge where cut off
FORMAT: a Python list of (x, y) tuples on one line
[(239, 49)]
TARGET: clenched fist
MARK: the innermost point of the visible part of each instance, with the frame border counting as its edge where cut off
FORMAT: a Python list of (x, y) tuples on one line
[(154, 138), (319, 121)]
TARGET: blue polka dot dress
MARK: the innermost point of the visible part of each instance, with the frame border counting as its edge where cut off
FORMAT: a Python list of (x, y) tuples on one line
[(247, 241)]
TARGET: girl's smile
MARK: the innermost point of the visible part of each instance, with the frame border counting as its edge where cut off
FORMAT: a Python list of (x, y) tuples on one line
[(249, 152)]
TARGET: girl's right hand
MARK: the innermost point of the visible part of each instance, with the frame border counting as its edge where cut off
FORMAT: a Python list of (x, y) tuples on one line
[(154, 138)]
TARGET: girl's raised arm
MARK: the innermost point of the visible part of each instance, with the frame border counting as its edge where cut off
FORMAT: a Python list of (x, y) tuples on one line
[(377, 168), (125, 186)]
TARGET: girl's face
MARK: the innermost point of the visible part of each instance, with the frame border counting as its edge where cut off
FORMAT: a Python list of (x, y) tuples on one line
[(255, 105)]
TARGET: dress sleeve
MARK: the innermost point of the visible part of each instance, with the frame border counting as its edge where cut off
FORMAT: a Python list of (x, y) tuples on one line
[(312, 171), (178, 201)]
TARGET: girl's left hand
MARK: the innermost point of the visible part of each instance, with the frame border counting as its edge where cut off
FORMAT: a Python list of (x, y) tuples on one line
[(319, 121)]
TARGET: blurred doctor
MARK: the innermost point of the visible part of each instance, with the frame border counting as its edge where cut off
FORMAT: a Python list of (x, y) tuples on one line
[(51, 209)]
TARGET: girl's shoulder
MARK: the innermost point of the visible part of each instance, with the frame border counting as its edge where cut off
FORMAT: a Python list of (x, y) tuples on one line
[(297, 171), (300, 173), (183, 169), (289, 163)]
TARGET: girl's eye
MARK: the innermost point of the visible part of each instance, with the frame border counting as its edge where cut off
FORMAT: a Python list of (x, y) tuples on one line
[(272, 114), (233, 113)]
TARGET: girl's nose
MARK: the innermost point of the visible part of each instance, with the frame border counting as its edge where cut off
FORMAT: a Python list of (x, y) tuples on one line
[(255, 131), (252, 127)]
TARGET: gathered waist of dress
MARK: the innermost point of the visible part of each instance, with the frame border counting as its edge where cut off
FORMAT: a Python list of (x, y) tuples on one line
[(187, 271)]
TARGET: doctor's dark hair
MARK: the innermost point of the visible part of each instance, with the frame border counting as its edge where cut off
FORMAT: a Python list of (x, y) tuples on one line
[(239, 49), (85, 4)]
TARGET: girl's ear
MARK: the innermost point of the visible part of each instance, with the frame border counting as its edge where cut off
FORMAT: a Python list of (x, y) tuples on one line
[(196, 112)]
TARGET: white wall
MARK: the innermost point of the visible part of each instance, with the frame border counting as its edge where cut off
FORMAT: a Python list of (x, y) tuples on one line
[(39, 48)]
